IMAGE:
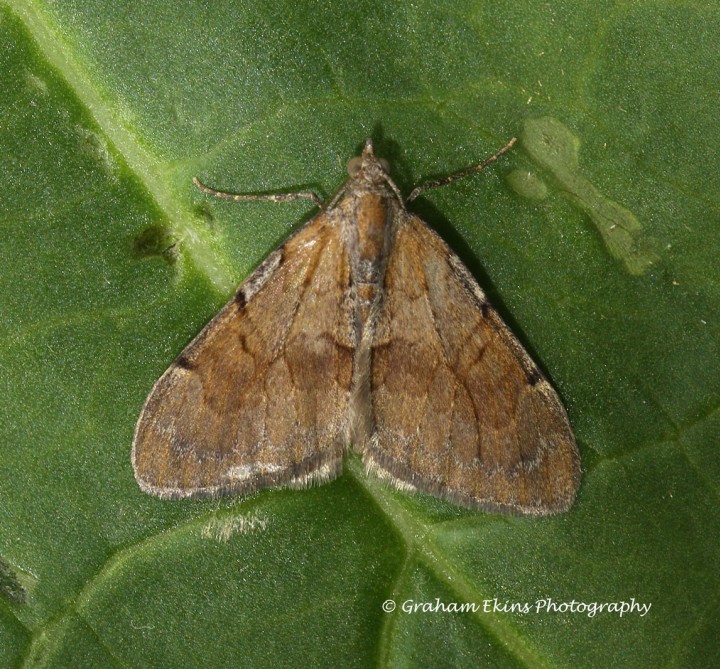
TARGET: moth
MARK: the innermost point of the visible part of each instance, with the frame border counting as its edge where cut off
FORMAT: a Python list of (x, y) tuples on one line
[(363, 329)]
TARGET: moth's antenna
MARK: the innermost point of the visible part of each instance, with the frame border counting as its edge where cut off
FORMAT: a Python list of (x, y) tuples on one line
[(273, 197), (458, 175)]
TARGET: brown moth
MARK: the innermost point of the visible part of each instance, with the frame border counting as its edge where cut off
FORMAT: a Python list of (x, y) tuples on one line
[(362, 329)]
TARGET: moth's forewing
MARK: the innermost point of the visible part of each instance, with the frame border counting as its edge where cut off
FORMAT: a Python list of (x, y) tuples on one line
[(459, 408), (260, 397)]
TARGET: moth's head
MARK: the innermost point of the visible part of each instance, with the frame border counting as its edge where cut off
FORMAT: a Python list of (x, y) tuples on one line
[(367, 165)]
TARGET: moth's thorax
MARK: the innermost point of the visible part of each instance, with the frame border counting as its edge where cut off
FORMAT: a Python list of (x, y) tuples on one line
[(369, 216), (373, 221), (369, 206)]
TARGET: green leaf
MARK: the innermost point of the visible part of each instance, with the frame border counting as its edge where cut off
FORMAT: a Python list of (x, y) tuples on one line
[(597, 238)]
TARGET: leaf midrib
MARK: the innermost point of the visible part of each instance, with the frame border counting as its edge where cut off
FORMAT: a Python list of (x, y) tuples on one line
[(141, 163)]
